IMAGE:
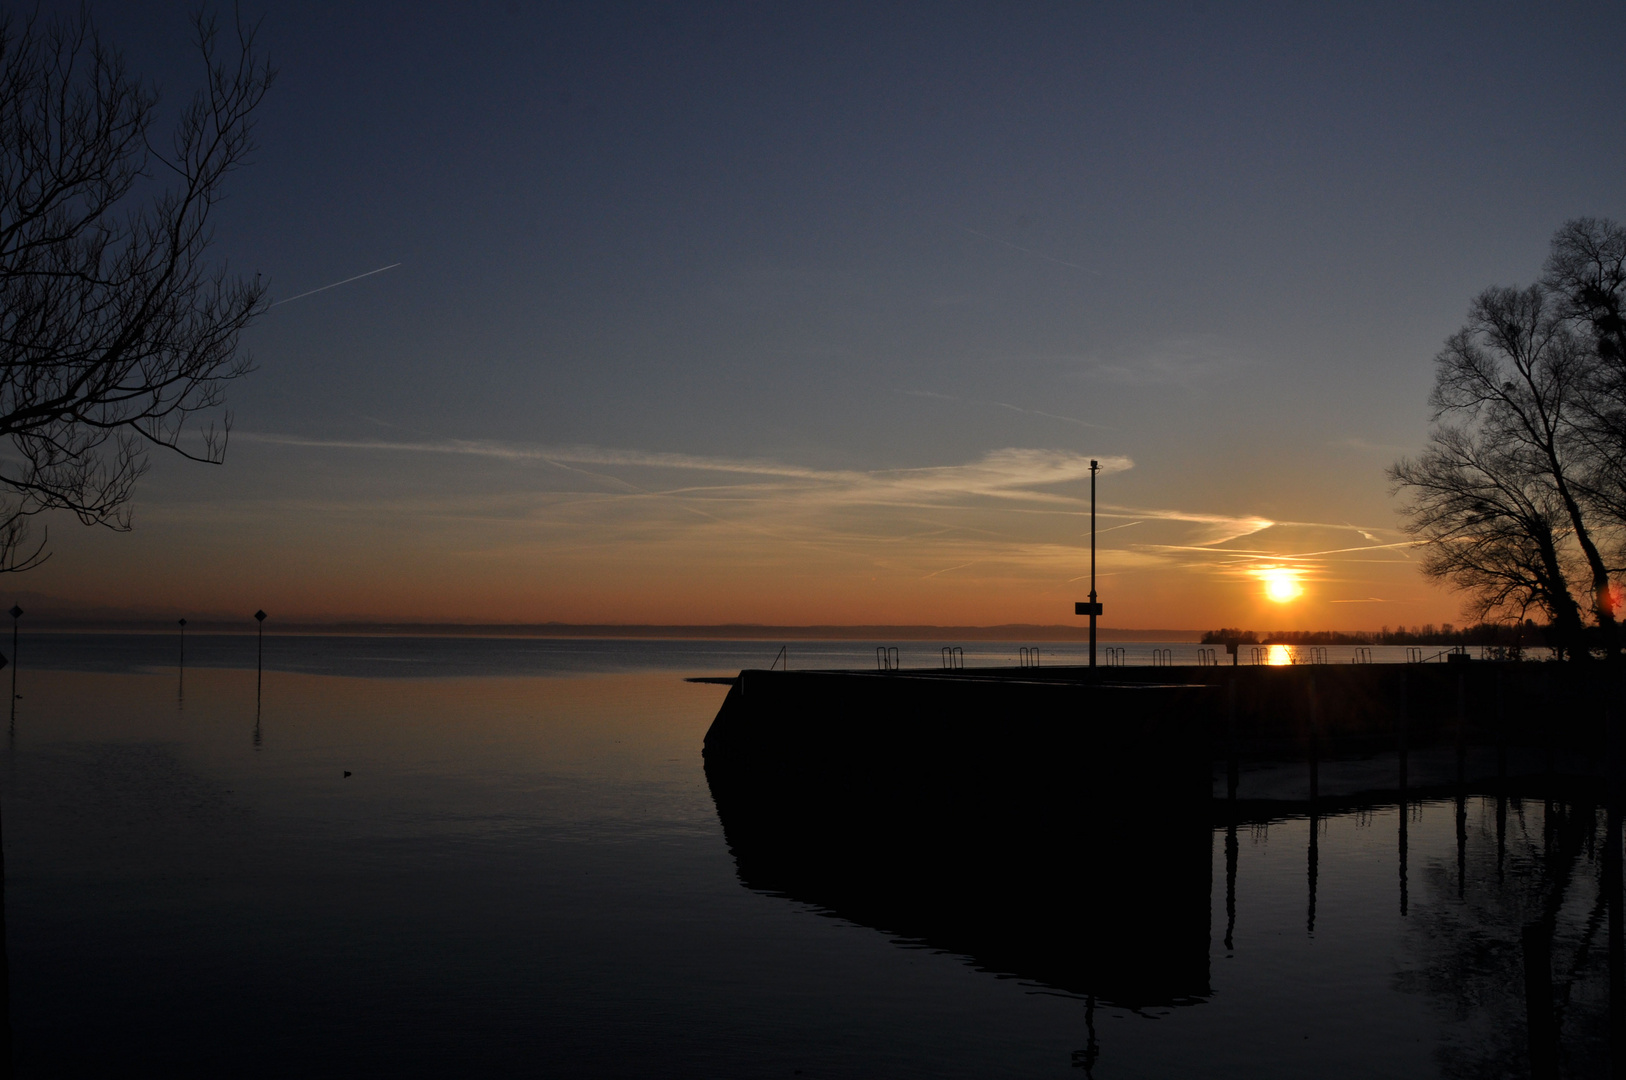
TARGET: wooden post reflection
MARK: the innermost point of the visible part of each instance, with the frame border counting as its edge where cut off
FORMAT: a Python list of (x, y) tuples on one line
[(5, 983), (1232, 850), (1314, 867), (1085, 1059), (1612, 885), (1462, 841), (1402, 745), (1405, 814), (1540, 1024), (1501, 833), (1233, 775)]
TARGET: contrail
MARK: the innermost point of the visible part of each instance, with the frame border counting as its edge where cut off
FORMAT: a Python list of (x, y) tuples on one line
[(1035, 254), (336, 284)]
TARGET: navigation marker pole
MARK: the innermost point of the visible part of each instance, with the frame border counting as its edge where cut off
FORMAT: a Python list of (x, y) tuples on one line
[(1093, 608), (16, 613), (259, 662)]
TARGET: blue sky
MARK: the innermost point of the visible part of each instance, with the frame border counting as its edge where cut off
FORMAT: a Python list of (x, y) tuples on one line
[(642, 244)]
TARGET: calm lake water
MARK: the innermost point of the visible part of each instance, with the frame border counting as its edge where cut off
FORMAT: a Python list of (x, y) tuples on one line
[(525, 875)]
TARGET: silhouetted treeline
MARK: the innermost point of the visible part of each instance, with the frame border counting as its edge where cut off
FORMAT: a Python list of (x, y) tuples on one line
[(1428, 634)]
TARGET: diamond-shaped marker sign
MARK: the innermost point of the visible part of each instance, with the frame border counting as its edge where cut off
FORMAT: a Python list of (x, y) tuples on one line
[(260, 615), (183, 622), (16, 612)]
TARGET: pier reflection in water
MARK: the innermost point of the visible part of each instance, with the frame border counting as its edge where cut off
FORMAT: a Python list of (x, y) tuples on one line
[(1123, 931), (1104, 903), (1501, 906)]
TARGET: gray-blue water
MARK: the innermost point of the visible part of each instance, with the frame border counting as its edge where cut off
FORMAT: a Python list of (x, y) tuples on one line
[(525, 875), (395, 657)]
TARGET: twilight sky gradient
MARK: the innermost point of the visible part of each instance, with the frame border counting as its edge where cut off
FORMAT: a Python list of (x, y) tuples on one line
[(816, 313)]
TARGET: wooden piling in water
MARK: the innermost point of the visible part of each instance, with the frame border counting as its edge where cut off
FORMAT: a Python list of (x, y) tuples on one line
[(1501, 731), (1540, 1022), (1462, 728), (1233, 765), (1401, 735), (1315, 746)]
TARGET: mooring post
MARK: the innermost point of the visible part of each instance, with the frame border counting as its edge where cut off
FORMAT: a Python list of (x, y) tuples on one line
[(1547, 723), (1315, 748), (1401, 735), (1462, 728), (1501, 733), (1233, 767)]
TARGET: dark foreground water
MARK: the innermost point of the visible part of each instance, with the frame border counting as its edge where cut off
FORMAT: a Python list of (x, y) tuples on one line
[(525, 876)]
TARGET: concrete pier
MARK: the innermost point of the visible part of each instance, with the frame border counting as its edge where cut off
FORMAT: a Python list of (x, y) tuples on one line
[(1059, 825), (988, 818)]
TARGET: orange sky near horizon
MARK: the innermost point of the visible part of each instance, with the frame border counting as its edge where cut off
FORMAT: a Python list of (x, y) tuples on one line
[(505, 533)]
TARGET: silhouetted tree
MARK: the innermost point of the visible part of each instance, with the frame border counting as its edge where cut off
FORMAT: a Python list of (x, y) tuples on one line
[(1586, 274), (1495, 495), (116, 329)]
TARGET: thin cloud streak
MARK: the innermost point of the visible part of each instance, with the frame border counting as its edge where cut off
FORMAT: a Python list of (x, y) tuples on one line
[(1011, 473), (335, 285)]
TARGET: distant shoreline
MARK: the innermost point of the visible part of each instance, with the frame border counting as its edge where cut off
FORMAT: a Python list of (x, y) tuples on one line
[(718, 632)]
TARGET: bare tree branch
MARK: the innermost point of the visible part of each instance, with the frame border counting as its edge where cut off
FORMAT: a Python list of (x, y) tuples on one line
[(117, 331), (1506, 495)]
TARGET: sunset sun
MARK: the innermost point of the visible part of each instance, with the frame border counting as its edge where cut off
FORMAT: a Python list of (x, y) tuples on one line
[(1281, 585)]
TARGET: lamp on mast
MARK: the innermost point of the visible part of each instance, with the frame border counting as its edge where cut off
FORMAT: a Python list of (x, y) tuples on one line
[(1093, 608)]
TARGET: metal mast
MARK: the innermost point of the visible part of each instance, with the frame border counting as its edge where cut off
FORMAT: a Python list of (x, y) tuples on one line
[(1095, 607)]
